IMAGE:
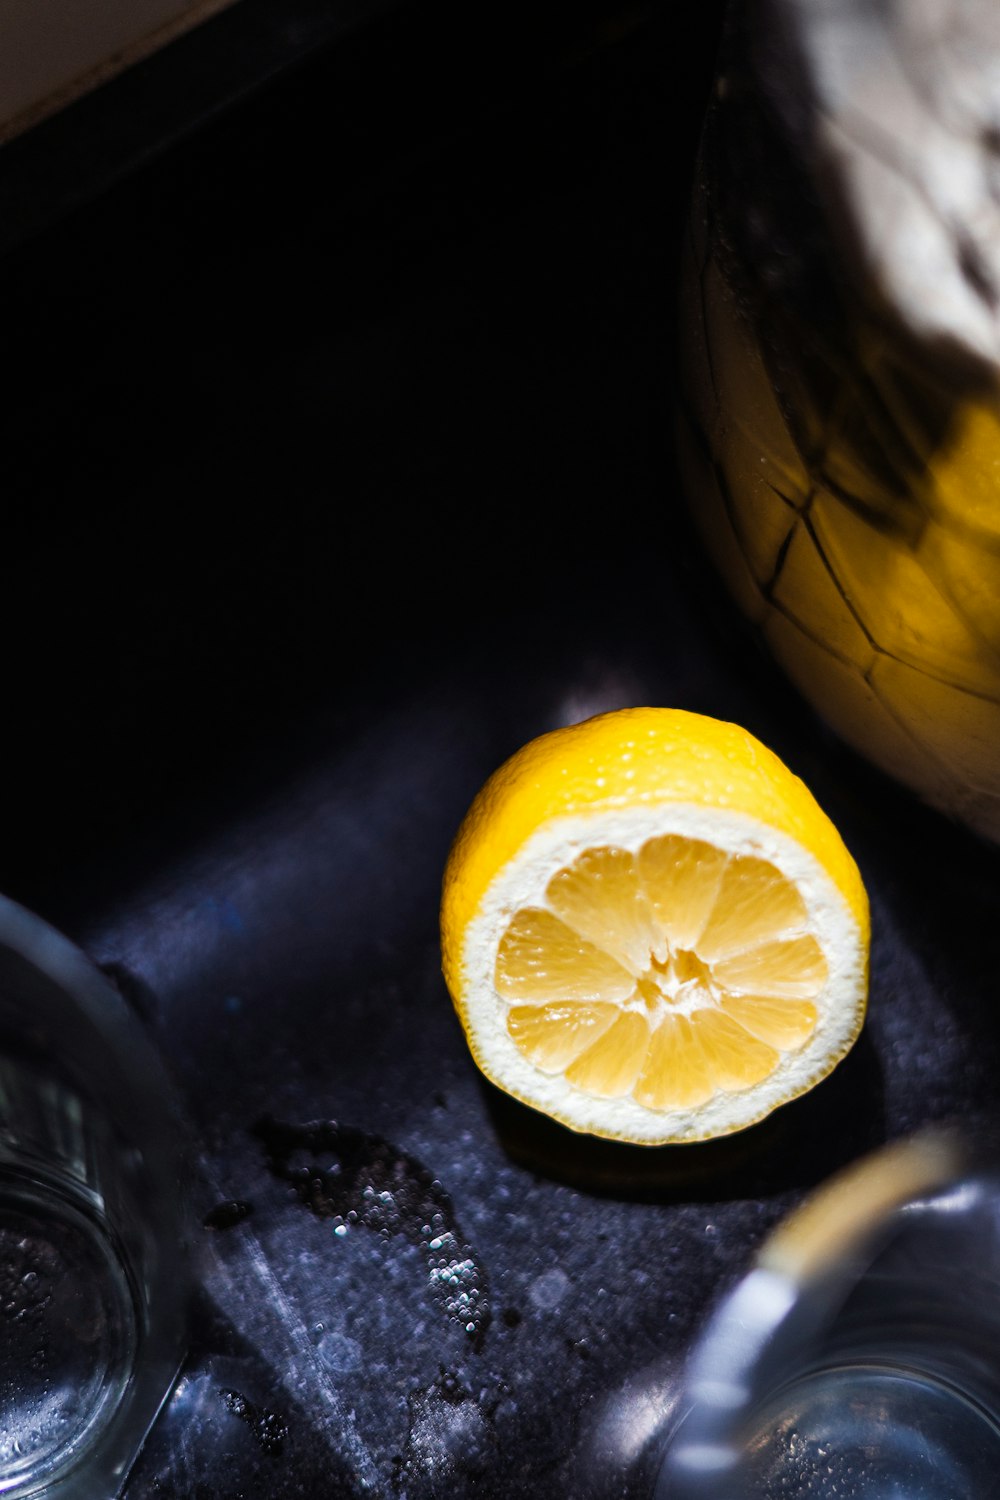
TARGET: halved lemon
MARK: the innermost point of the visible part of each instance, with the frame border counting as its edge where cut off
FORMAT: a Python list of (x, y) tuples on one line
[(651, 930)]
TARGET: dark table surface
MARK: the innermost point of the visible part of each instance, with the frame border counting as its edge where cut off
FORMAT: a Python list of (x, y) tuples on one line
[(338, 463)]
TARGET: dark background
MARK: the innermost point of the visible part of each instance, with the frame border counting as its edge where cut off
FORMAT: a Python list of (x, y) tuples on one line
[(329, 381), (338, 463)]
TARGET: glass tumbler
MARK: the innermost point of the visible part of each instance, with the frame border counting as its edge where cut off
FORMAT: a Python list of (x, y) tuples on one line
[(93, 1244), (859, 1358)]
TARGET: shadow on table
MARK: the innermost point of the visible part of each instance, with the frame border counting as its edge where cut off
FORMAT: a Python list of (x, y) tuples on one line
[(795, 1148)]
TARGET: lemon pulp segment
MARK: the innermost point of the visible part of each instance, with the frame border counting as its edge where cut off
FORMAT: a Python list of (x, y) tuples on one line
[(668, 974)]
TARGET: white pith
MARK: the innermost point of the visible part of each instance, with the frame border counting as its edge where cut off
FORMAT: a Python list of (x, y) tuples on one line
[(523, 882)]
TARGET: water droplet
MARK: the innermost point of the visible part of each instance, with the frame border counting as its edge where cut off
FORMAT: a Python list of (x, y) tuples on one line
[(228, 1214), (339, 1353), (549, 1289)]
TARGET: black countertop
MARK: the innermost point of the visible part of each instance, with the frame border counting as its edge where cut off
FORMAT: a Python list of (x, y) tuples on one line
[(339, 464)]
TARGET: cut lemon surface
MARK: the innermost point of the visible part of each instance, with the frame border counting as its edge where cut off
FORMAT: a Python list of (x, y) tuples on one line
[(651, 930)]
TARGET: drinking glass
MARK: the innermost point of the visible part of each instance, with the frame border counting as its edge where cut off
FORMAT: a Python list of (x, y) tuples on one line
[(93, 1241), (859, 1357)]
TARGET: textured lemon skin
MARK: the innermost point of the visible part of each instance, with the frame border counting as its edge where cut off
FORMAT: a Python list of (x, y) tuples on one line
[(620, 759)]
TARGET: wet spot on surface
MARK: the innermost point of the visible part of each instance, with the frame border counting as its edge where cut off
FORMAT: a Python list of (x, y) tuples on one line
[(359, 1180), (451, 1438), (269, 1429), (228, 1214)]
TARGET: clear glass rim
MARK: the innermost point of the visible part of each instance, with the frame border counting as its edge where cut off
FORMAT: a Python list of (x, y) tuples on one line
[(806, 1264)]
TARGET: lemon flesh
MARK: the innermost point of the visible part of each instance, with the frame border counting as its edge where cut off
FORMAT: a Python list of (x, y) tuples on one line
[(667, 975), (651, 930)]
